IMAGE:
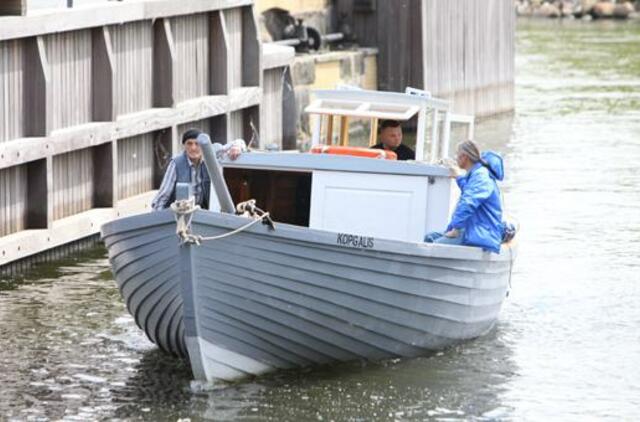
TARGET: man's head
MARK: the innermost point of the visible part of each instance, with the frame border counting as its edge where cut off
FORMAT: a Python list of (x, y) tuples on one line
[(390, 133), (191, 146), (467, 154)]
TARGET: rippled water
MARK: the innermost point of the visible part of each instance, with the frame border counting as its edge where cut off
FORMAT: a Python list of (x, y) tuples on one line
[(567, 345)]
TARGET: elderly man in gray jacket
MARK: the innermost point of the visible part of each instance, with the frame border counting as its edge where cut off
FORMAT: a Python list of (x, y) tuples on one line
[(189, 167)]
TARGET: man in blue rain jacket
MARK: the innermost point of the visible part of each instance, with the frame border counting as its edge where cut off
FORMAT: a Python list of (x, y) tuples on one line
[(477, 219)]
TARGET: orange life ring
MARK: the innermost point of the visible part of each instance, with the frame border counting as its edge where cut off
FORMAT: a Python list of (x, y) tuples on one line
[(354, 151)]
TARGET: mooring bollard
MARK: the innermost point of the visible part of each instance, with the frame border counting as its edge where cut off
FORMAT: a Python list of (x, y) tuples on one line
[(183, 191)]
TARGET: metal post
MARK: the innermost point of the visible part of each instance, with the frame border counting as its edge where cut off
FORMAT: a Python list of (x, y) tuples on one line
[(446, 135), (421, 133), (434, 137), (317, 128), (215, 172), (183, 191)]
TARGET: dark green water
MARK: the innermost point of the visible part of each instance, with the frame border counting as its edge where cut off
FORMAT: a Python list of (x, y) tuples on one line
[(567, 346)]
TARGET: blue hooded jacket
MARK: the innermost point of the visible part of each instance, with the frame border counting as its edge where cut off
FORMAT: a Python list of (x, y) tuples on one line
[(479, 210)]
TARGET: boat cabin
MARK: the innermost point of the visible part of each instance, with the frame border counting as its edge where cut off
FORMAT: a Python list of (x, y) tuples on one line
[(370, 197)]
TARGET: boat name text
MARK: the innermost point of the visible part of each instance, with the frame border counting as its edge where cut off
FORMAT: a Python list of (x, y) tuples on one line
[(354, 241)]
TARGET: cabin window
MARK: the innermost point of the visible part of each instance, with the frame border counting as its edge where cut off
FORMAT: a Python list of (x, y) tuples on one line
[(286, 195)]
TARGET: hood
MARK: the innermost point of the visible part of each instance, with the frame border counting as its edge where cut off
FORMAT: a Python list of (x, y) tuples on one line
[(494, 163)]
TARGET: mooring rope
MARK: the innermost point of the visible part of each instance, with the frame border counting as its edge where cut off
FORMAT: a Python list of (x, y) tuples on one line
[(185, 209)]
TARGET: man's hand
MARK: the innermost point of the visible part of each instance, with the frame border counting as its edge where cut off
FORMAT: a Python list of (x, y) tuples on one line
[(234, 152), (453, 233)]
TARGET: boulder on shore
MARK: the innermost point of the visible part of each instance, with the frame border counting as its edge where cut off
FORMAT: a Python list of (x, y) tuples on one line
[(602, 10), (548, 10), (622, 11)]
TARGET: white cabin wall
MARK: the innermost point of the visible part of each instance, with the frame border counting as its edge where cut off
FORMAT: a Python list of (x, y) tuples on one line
[(384, 206), (443, 195)]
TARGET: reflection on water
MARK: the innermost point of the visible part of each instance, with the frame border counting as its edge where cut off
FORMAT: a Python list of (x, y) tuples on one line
[(567, 344)]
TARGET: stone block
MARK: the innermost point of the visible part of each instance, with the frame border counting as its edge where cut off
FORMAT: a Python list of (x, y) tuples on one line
[(303, 71)]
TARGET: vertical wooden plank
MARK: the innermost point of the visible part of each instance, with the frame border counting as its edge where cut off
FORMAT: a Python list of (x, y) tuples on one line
[(132, 45), (233, 24), (13, 7), (12, 78), (344, 130), (289, 115), (72, 175), (38, 112), (272, 107), (115, 171), (373, 133), (102, 75), (162, 153), (103, 175), (219, 54), (219, 128), (164, 63), (251, 49), (191, 40), (69, 56), (135, 165), (37, 195), (251, 127), (235, 127)]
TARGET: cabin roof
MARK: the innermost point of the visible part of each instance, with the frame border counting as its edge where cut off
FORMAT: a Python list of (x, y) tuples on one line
[(294, 161), (373, 104)]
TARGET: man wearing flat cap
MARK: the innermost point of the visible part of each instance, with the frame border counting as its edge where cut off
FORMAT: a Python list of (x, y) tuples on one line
[(189, 167)]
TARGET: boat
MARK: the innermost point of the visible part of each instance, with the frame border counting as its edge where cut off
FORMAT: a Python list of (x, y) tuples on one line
[(335, 271)]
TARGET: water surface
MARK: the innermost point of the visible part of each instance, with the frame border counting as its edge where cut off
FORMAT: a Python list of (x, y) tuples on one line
[(567, 344)]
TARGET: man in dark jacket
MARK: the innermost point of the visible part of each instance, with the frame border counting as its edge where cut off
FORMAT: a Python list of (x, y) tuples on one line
[(391, 140), (189, 167)]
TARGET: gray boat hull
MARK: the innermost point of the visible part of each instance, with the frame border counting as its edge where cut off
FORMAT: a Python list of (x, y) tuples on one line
[(263, 300)]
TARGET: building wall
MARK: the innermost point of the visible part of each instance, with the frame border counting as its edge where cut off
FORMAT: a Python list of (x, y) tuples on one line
[(294, 6), (463, 50), (328, 70)]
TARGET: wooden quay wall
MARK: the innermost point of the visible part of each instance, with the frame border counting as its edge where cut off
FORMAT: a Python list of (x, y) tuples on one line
[(93, 101)]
